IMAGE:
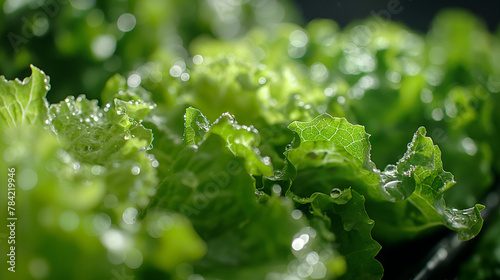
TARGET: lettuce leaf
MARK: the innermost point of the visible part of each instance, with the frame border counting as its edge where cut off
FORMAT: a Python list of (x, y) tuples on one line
[(112, 141), (211, 186), (344, 213), (24, 102), (240, 139), (340, 152)]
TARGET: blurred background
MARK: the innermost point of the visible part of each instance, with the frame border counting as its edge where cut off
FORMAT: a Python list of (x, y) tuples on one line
[(82, 43), (416, 14)]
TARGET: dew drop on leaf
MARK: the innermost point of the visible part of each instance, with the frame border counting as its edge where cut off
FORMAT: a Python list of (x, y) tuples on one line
[(136, 170), (390, 190), (296, 214), (335, 193), (277, 189), (129, 215)]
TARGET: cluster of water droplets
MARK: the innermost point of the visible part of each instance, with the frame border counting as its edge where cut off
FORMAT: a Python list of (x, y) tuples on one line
[(250, 138), (180, 70), (309, 263), (393, 184), (457, 219)]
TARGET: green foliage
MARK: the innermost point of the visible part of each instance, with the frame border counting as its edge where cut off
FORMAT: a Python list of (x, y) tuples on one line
[(417, 181), (244, 153)]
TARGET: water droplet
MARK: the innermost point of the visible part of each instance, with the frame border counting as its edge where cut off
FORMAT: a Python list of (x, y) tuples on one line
[(175, 71), (454, 218), (396, 185), (103, 46), (113, 239), (298, 38), (319, 72), (450, 108), (330, 91), (312, 258), (391, 169), (129, 215), (197, 59), (442, 253), (126, 137), (185, 77), (437, 114), (304, 270), (356, 92), (136, 170), (335, 193), (368, 82), (97, 170), (469, 146), (391, 190), (277, 189), (134, 258), (341, 100), (266, 160), (262, 80), (300, 242), (126, 22), (393, 76), (426, 95), (296, 214), (319, 271), (101, 223), (134, 80)]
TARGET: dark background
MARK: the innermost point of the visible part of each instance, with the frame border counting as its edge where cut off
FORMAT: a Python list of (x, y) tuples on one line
[(417, 14)]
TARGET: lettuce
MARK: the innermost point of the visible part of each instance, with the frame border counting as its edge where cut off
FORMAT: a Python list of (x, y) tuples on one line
[(231, 213), (415, 183), (283, 153), (24, 102)]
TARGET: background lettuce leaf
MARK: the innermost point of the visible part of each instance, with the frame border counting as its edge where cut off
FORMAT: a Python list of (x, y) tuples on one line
[(24, 102)]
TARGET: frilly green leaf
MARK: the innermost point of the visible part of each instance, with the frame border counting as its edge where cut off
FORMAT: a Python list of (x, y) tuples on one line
[(340, 152), (24, 102), (240, 139)]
